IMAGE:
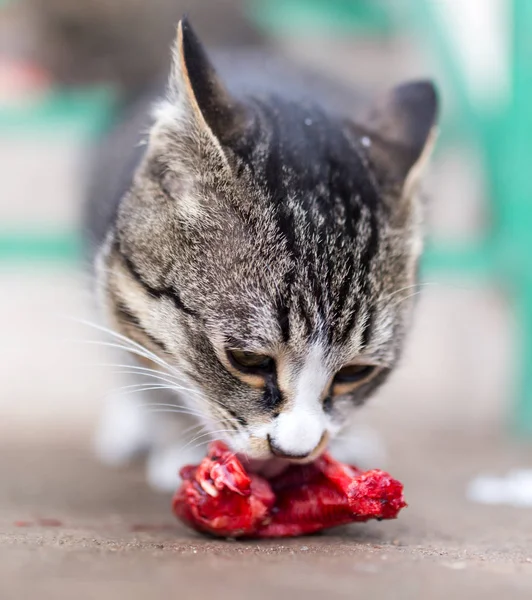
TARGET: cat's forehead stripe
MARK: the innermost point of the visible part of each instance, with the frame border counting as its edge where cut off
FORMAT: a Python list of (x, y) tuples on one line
[(329, 220)]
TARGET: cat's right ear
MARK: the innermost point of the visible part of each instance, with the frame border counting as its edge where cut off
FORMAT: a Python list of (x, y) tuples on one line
[(401, 132), (197, 98)]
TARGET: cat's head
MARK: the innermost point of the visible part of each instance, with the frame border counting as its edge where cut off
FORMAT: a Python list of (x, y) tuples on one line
[(267, 252)]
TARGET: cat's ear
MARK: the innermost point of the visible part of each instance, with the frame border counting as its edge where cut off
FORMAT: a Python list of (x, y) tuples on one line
[(197, 96), (401, 132)]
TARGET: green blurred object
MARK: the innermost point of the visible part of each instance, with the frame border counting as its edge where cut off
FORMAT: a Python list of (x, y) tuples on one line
[(286, 16), (40, 247), (515, 200), (87, 113), (81, 114), (504, 136)]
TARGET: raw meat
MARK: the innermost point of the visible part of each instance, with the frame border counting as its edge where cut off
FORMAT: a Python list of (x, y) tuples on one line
[(219, 497)]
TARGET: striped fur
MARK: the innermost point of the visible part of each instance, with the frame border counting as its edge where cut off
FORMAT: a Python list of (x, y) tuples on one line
[(268, 225)]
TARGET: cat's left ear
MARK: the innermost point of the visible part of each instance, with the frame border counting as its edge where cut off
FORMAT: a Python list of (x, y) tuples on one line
[(401, 133), (198, 97)]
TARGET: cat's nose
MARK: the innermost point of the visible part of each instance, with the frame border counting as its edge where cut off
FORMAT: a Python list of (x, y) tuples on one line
[(280, 453), (297, 434)]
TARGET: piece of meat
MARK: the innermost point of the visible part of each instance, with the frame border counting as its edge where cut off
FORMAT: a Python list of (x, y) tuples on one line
[(220, 498)]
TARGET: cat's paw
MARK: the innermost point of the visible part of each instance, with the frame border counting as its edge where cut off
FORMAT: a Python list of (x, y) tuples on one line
[(164, 464), (124, 432)]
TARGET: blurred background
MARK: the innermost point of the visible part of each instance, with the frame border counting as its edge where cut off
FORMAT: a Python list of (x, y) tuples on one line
[(460, 404), (67, 67)]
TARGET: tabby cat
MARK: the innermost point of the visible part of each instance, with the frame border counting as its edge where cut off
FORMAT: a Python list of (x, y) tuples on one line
[(261, 262)]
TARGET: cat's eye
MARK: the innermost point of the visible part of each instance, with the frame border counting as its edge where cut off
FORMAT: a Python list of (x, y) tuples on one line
[(250, 362), (354, 374)]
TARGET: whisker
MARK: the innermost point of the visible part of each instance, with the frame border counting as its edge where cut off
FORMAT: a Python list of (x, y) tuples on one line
[(210, 434), (178, 411), (133, 347), (149, 403), (145, 383), (143, 389), (424, 284), (124, 338), (137, 368), (169, 376), (170, 386), (406, 298), (133, 350), (409, 287), (194, 412), (146, 388), (138, 349), (148, 406), (175, 385), (151, 373), (153, 358), (218, 406), (192, 427), (199, 414)]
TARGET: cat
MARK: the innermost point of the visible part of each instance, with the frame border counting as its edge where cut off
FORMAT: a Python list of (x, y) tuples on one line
[(259, 262)]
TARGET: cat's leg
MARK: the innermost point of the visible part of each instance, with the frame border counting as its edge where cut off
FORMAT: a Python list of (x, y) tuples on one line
[(174, 447), (125, 428), (128, 431), (164, 464), (125, 431), (144, 423), (172, 440)]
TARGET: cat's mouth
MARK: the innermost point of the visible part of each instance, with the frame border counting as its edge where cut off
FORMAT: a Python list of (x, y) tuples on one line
[(269, 467)]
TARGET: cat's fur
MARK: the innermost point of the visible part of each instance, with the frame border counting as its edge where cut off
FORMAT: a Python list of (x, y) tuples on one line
[(268, 225)]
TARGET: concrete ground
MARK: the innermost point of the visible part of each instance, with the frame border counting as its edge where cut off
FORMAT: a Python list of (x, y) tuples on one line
[(71, 528)]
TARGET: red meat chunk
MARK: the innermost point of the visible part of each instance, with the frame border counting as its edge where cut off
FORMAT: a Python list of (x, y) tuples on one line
[(219, 497)]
